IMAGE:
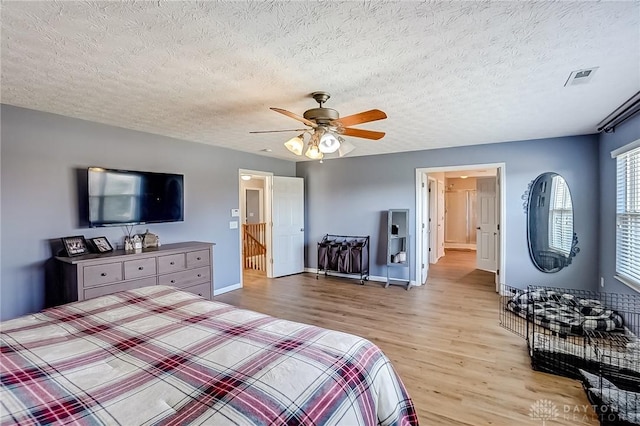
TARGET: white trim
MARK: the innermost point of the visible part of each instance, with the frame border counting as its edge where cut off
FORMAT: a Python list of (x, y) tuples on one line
[(465, 246), (503, 213), (227, 289), (624, 149), (629, 283)]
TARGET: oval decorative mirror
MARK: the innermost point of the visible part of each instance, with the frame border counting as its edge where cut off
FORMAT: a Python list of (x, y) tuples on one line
[(552, 242)]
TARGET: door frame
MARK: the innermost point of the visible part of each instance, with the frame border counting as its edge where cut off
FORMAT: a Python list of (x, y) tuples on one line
[(422, 213), (268, 186)]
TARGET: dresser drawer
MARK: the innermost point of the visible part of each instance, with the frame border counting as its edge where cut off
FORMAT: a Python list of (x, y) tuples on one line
[(198, 258), (102, 274), (139, 268), (203, 290), (171, 263), (127, 285), (186, 278)]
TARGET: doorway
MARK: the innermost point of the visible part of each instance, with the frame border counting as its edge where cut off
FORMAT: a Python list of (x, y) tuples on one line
[(464, 213), (271, 214), (253, 225)]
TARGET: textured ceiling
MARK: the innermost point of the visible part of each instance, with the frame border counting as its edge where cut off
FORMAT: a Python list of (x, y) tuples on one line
[(446, 73)]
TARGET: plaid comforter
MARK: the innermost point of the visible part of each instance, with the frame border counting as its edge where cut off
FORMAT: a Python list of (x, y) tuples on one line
[(157, 355)]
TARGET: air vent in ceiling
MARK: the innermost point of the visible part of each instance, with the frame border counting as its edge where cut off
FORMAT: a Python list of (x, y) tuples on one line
[(580, 76)]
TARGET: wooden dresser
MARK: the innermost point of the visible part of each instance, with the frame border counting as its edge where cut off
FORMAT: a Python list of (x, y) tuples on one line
[(188, 266)]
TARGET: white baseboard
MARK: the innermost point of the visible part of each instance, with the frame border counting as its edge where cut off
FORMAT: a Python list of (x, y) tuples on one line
[(463, 246), (355, 276), (223, 290)]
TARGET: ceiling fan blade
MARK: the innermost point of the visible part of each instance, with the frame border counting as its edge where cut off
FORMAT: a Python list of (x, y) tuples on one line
[(295, 117), (279, 131), (359, 133), (362, 117)]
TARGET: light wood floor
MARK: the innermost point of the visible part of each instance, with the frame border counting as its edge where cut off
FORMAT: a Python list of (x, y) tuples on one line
[(459, 366)]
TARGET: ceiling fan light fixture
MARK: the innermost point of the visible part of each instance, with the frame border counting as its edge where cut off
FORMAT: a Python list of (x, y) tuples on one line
[(329, 143), (314, 153), (345, 147), (295, 144)]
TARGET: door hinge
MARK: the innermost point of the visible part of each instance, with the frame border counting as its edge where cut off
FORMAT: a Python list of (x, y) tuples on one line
[(423, 226), (271, 261), (423, 184), (423, 266), (497, 271), (498, 227), (429, 248)]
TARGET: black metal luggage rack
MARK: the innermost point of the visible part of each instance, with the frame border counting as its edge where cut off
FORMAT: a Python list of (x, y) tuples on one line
[(344, 254)]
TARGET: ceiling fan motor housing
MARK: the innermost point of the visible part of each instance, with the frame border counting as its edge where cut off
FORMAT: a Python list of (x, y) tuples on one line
[(321, 115)]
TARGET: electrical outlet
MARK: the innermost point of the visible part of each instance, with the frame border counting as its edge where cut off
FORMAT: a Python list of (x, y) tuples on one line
[(602, 282), (233, 224)]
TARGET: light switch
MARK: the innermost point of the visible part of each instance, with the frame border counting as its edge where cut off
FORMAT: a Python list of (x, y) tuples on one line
[(235, 212), (233, 224)]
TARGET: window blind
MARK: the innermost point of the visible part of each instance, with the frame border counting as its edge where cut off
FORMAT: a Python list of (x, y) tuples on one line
[(628, 215), (560, 217)]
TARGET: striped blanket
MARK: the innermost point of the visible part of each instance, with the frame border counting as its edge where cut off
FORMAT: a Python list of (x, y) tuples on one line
[(157, 355)]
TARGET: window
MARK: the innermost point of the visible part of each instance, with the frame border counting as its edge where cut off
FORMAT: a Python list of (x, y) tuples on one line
[(560, 217), (628, 214)]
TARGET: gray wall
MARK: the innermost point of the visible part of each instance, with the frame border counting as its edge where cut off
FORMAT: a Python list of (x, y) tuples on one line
[(628, 132), (351, 196), (38, 200)]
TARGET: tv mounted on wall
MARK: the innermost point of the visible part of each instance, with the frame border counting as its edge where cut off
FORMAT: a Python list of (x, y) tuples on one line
[(127, 197)]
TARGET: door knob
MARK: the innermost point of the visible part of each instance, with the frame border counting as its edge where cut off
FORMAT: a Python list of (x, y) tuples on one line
[(478, 228), (301, 229)]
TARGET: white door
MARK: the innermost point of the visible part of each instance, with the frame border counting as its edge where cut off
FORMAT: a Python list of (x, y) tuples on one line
[(288, 226), (433, 221), (424, 234), (498, 228), (487, 229), (441, 213)]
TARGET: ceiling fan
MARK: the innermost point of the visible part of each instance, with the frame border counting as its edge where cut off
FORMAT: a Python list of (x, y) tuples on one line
[(326, 129)]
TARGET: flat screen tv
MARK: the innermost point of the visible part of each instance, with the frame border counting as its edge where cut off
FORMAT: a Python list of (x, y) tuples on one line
[(126, 197)]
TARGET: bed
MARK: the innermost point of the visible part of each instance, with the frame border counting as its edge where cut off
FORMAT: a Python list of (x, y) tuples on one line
[(157, 355)]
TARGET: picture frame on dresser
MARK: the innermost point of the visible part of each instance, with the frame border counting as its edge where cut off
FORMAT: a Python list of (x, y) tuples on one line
[(100, 245), (75, 246)]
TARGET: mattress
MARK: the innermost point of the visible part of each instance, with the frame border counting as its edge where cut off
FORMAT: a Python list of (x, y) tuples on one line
[(157, 355)]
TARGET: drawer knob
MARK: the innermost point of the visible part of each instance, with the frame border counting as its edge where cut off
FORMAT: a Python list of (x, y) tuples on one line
[(104, 274), (198, 258), (172, 263), (173, 281), (199, 294), (140, 268), (199, 275)]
